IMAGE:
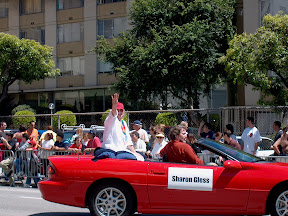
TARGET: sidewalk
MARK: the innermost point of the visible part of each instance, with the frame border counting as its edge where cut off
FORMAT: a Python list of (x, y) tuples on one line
[(18, 183)]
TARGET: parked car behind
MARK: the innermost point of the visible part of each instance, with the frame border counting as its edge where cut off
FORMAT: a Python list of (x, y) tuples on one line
[(264, 147), (69, 131)]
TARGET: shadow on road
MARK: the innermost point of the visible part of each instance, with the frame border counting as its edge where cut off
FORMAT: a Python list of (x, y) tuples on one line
[(61, 214)]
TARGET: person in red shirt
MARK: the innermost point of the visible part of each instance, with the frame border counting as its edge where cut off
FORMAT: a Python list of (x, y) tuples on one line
[(93, 143), (77, 146), (177, 150), (230, 141)]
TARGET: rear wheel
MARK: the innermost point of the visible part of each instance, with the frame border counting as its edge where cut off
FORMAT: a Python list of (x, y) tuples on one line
[(280, 203), (111, 199)]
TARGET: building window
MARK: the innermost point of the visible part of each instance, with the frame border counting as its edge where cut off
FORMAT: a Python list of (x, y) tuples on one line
[(37, 34), (272, 7), (279, 5), (4, 8), (67, 4), (70, 32), (92, 100), (265, 8), (104, 67), (108, 1), (112, 27), (31, 6), (72, 66), (218, 98)]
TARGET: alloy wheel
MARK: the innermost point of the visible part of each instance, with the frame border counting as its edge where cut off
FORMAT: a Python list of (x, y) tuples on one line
[(110, 202)]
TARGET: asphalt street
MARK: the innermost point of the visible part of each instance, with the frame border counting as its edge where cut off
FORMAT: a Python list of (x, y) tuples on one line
[(18, 201)]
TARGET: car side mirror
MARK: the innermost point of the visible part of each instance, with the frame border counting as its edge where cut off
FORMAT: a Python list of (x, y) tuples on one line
[(228, 164)]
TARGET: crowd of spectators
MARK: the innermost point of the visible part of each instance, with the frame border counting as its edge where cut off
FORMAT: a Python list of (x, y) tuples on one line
[(24, 154), (250, 138), (27, 151)]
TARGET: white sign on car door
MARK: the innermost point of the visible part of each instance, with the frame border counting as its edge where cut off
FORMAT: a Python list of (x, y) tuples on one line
[(190, 179)]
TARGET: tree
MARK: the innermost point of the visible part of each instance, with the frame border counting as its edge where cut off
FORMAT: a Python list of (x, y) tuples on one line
[(24, 60), (261, 59), (173, 47), (23, 117), (21, 108), (66, 117), (167, 118)]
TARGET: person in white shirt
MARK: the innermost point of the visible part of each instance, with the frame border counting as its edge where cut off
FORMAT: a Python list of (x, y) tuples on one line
[(49, 130), (251, 137), (46, 150), (116, 135), (137, 126), (85, 139), (139, 144), (160, 143), (48, 142)]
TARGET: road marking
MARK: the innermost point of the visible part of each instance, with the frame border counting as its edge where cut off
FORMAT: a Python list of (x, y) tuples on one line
[(26, 197)]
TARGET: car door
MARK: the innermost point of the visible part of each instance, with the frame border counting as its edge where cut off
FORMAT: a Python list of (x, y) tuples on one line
[(174, 186)]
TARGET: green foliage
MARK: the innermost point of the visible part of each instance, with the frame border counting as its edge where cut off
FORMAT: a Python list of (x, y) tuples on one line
[(69, 120), (23, 117), (21, 108), (25, 60), (167, 118), (261, 59), (173, 47), (214, 120), (104, 116), (65, 107)]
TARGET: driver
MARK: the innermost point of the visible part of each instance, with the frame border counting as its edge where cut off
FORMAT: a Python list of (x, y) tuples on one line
[(177, 150)]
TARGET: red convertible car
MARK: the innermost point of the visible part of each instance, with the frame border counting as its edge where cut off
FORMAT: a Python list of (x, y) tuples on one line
[(241, 184)]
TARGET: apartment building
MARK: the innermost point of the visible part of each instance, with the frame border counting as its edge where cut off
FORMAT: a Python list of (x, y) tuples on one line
[(72, 27), (249, 15)]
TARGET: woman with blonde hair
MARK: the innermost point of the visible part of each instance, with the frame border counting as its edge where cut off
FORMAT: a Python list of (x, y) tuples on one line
[(79, 133), (160, 143)]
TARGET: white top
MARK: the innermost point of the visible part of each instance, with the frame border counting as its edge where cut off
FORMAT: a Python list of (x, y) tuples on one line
[(140, 146), (85, 143), (157, 148), (143, 135), (250, 136), (48, 143), (48, 131), (116, 135)]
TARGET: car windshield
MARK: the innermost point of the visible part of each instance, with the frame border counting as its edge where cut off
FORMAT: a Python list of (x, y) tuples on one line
[(68, 135), (227, 150), (264, 144)]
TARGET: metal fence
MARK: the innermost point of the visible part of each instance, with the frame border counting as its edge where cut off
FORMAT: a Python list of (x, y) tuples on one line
[(264, 118), (28, 164), (33, 164)]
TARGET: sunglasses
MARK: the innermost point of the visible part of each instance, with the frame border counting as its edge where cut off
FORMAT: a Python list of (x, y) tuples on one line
[(160, 137)]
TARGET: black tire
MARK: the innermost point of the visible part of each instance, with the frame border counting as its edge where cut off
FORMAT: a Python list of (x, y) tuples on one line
[(111, 199), (279, 204)]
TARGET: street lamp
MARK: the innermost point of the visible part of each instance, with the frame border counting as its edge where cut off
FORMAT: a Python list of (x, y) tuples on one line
[(51, 107)]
